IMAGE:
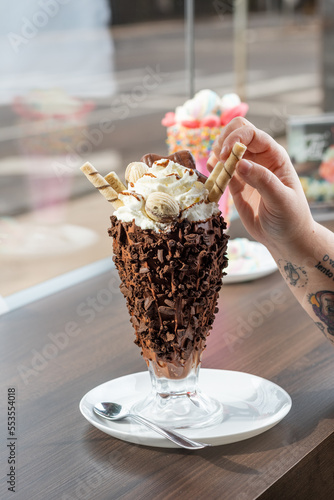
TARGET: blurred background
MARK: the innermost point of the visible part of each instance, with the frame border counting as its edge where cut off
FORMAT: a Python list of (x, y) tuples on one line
[(91, 80)]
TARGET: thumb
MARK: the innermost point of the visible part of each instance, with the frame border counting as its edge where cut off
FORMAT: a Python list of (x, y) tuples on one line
[(268, 185)]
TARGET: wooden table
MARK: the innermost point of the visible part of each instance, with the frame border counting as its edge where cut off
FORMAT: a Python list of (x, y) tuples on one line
[(59, 455)]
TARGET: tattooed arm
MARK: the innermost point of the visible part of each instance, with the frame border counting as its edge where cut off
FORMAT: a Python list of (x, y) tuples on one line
[(309, 272), (272, 206)]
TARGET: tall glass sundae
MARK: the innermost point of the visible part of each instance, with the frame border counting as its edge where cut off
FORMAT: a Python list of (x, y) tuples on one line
[(169, 248)]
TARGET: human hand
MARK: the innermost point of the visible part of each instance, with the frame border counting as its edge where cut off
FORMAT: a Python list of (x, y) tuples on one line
[(265, 187)]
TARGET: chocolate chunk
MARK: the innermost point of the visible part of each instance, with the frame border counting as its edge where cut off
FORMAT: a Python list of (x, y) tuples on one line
[(124, 290), (166, 311), (170, 303), (148, 302), (144, 270), (160, 255)]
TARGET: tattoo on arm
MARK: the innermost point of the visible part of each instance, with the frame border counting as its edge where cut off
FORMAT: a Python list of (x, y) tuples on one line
[(326, 266), (294, 275), (322, 302), (323, 307)]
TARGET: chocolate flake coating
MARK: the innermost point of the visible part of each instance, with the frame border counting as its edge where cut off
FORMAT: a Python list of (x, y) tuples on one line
[(171, 282)]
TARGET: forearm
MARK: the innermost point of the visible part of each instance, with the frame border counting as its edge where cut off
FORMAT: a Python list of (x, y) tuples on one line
[(307, 265)]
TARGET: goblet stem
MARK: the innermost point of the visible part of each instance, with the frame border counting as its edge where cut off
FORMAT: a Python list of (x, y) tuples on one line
[(179, 403)]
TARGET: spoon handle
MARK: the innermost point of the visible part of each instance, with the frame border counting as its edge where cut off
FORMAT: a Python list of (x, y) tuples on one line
[(177, 438)]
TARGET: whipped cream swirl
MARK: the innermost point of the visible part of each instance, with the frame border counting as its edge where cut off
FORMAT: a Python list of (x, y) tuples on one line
[(168, 177)]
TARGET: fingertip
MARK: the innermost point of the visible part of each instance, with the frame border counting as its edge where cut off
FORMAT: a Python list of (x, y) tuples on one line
[(224, 153), (211, 162)]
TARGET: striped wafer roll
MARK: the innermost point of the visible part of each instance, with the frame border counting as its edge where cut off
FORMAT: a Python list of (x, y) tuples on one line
[(214, 175), (115, 182), (224, 172), (101, 184)]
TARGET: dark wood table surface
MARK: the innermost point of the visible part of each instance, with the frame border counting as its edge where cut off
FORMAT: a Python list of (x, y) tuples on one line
[(59, 455)]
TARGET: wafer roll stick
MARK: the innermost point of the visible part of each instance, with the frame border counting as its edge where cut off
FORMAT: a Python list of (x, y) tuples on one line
[(115, 182), (101, 184), (209, 183), (225, 172)]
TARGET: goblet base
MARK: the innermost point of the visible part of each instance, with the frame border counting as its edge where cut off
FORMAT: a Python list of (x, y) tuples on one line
[(178, 403)]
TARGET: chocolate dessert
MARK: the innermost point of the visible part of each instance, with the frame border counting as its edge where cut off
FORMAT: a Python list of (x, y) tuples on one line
[(169, 248), (171, 280), (170, 251)]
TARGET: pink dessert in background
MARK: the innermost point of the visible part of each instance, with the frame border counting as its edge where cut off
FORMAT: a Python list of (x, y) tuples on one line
[(196, 124)]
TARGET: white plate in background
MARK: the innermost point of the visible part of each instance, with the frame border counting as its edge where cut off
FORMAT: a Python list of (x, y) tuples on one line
[(253, 262)]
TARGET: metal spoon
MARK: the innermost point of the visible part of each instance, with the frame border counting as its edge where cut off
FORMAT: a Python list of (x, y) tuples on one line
[(114, 411)]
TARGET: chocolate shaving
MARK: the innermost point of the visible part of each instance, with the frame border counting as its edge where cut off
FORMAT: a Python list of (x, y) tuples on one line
[(148, 302), (170, 303), (160, 255), (167, 311), (144, 270)]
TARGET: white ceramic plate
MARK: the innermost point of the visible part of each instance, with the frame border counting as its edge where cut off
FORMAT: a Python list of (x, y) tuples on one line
[(251, 405), (259, 263)]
